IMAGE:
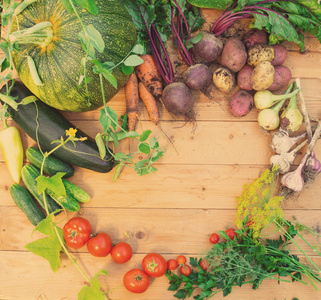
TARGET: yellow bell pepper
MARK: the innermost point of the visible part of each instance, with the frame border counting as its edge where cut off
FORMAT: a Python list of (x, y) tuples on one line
[(11, 145)]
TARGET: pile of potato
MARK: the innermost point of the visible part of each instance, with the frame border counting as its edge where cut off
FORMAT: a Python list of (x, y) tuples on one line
[(253, 65)]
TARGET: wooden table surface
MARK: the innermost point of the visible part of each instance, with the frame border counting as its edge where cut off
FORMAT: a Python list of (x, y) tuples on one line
[(171, 211)]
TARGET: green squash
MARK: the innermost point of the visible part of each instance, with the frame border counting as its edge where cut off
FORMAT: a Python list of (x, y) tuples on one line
[(59, 63)]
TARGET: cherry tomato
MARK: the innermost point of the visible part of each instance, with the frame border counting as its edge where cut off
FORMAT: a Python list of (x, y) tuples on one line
[(136, 281), (77, 232), (231, 233), (181, 259), (172, 264), (185, 270), (214, 238), (100, 245), (121, 253), (204, 264), (154, 265)]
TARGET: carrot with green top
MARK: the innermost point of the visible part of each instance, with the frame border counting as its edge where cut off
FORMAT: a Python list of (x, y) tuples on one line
[(149, 75), (150, 103), (132, 100)]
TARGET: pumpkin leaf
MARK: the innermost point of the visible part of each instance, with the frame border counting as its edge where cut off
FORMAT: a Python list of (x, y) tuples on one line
[(89, 5), (133, 60)]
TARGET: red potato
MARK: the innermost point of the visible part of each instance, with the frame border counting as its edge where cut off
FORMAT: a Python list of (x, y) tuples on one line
[(282, 78), (234, 55), (244, 78), (255, 36), (208, 48), (241, 103), (280, 54)]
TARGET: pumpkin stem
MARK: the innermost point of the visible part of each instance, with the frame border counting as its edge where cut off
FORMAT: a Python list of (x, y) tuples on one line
[(40, 34)]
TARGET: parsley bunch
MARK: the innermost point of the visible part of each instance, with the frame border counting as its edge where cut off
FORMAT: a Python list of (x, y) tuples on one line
[(244, 260)]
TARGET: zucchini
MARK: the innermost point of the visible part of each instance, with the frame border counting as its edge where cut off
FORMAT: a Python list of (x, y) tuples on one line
[(52, 165), (78, 193), (53, 126), (68, 202), (23, 199), (29, 174)]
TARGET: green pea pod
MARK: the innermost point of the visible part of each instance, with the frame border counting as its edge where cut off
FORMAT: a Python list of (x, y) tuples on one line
[(11, 145)]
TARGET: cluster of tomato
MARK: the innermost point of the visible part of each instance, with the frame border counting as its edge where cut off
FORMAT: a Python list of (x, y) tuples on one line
[(77, 233)]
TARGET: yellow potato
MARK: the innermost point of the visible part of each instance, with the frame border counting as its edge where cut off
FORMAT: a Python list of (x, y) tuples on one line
[(258, 53), (262, 76), (224, 80)]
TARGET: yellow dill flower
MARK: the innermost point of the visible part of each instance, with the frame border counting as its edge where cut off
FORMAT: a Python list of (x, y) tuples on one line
[(71, 132), (258, 204)]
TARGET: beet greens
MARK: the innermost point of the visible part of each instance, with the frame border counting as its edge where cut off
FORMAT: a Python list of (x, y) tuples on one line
[(284, 20)]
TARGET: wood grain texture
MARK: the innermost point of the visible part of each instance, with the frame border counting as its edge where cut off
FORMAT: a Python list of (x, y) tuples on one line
[(173, 210)]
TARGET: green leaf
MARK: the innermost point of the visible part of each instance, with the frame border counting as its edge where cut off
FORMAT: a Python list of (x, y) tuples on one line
[(113, 116), (216, 4), (144, 148), (138, 49), (67, 6), (144, 136), (28, 100), (89, 5), (133, 60), (104, 120), (53, 184), (93, 291), (95, 38), (127, 70), (110, 78)]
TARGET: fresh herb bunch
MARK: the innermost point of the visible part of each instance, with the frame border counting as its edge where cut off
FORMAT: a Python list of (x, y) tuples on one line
[(284, 20), (244, 260)]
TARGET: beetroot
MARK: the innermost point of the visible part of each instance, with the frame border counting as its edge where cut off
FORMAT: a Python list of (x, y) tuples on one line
[(208, 48), (178, 99), (198, 77), (241, 103)]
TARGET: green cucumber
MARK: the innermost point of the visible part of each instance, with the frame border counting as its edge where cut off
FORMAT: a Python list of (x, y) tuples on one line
[(68, 202), (52, 165), (29, 174), (23, 199), (78, 193), (44, 125)]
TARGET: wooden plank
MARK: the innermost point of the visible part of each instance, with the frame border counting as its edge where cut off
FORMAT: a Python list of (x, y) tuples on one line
[(26, 276), (173, 186), (163, 230)]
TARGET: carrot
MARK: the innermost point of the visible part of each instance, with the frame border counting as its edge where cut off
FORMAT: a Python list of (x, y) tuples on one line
[(148, 73), (149, 102), (132, 100)]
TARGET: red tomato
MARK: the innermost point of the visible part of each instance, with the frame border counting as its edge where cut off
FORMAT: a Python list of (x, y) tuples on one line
[(154, 265), (204, 264), (181, 259), (214, 238), (100, 245), (231, 233), (185, 270), (171, 264), (76, 232), (136, 281), (121, 253)]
